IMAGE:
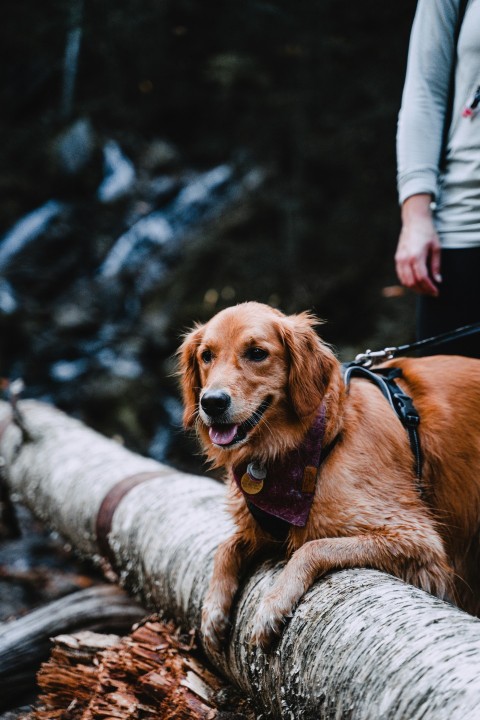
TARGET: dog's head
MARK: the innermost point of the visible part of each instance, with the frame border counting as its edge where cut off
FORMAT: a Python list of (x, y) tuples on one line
[(252, 373)]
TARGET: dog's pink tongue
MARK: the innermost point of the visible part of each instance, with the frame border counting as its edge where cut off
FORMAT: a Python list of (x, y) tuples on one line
[(222, 434)]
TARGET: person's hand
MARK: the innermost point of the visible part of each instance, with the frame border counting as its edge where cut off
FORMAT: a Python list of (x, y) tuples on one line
[(417, 258)]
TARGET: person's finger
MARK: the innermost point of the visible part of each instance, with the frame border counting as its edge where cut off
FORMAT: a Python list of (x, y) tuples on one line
[(423, 283), (404, 272), (435, 263)]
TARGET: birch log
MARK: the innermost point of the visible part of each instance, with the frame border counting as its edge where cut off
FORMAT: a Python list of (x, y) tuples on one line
[(361, 645)]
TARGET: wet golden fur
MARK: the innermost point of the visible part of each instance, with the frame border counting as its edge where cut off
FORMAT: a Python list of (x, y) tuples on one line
[(367, 511)]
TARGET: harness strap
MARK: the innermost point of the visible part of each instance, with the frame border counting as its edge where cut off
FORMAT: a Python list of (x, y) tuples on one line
[(274, 526), (409, 417), (401, 403)]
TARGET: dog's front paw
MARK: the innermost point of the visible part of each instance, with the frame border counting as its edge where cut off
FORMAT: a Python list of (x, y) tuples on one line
[(215, 627), (269, 621)]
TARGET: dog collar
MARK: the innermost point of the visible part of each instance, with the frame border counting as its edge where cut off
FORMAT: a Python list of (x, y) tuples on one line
[(284, 488)]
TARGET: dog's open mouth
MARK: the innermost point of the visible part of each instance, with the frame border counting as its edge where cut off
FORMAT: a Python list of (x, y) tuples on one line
[(229, 434)]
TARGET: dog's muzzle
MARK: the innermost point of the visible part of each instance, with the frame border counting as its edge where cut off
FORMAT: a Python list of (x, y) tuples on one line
[(215, 403), (223, 433)]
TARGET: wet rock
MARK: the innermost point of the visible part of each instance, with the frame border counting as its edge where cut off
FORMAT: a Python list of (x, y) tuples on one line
[(199, 200), (202, 195), (160, 155), (119, 174), (120, 366), (27, 230), (135, 245), (74, 316), (8, 300), (69, 370), (74, 148), (162, 189)]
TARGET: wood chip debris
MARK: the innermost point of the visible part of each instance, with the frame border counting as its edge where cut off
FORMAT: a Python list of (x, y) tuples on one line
[(150, 674)]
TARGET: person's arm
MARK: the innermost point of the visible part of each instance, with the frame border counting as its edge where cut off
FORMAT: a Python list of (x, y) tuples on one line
[(418, 252), (419, 141)]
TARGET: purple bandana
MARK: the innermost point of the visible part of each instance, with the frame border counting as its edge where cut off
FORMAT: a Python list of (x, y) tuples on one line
[(284, 488)]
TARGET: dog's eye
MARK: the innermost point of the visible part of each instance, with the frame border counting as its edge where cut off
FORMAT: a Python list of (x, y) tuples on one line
[(206, 356), (256, 354)]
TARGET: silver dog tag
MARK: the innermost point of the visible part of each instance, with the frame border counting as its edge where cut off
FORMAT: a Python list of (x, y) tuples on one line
[(257, 471)]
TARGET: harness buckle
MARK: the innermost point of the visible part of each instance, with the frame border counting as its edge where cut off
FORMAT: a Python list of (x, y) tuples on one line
[(406, 409), (372, 357)]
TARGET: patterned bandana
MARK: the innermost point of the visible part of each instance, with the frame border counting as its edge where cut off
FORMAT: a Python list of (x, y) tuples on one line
[(285, 488)]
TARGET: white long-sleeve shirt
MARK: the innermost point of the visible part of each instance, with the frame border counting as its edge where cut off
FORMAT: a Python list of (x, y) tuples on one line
[(421, 120)]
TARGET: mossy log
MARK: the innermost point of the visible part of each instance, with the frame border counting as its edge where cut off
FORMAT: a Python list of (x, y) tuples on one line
[(361, 644)]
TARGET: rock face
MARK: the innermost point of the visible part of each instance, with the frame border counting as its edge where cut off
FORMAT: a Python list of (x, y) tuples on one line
[(206, 155)]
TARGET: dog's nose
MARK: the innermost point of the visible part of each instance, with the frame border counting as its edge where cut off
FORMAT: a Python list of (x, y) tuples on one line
[(215, 402)]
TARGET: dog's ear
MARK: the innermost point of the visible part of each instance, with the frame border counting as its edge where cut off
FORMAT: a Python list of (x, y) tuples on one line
[(311, 362), (189, 375)]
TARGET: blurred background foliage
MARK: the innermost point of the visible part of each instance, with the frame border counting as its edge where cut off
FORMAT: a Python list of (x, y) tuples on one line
[(298, 100)]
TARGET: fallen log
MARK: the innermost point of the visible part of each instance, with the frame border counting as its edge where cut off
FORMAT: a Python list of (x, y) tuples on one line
[(25, 642), (361, 644)]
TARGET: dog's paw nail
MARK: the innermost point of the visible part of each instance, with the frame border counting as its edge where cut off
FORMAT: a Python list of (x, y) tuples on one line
[(267, 628), (214, 630), (211, 643), (264, 638), (211, 640)]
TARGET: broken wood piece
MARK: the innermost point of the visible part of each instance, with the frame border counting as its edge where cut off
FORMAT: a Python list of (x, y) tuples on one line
[(25, 642), (144, 675)]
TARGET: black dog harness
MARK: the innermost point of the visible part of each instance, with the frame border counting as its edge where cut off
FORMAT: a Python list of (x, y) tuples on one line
[(401, 403)]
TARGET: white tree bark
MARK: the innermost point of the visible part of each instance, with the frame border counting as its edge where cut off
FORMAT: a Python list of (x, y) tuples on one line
[(361, 646)]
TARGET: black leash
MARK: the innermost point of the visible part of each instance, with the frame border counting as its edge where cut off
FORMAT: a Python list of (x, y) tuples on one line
[(372, 357), (384, 378)]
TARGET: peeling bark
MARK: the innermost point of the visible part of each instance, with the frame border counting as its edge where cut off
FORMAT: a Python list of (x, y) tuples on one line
[(361, 644)]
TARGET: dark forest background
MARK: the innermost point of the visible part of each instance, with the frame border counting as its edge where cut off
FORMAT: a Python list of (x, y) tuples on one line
[(291, 105)]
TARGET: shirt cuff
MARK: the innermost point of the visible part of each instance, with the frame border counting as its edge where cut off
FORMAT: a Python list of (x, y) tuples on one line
[(417, 183)]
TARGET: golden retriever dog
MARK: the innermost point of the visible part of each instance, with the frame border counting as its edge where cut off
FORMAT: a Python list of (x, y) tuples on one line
[(326, 472)]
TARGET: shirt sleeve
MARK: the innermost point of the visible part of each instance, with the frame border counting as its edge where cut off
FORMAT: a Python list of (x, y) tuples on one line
[(425, 97)]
